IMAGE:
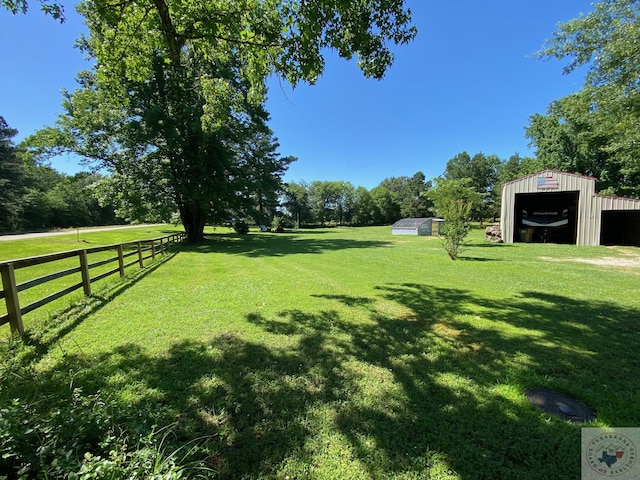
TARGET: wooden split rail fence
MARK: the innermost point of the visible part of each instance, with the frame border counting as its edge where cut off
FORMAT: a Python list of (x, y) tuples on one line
[(141, 249)]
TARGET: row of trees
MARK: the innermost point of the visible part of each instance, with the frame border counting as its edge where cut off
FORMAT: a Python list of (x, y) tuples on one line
[(36, 197), (339, 202)]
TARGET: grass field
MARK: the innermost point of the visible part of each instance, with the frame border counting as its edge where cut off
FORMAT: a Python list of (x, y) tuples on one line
[(73, 240), (345, 353)]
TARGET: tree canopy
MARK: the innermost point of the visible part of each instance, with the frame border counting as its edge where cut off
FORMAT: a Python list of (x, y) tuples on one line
[(605, 40), (55, 9), (596, 131)]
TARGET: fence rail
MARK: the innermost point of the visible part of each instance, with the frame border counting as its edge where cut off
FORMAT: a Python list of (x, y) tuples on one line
[(141, 249)]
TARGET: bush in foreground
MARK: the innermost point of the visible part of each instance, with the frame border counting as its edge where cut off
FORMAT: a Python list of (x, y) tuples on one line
[(68, 434)]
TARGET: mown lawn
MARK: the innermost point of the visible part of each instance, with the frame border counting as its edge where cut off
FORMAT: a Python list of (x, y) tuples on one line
[(351, 353)]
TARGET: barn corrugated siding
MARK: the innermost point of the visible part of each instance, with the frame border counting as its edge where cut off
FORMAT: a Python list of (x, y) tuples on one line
[(603, 202)]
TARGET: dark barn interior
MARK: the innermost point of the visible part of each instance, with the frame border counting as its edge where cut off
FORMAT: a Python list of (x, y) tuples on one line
[(620, 227), (546, 217)]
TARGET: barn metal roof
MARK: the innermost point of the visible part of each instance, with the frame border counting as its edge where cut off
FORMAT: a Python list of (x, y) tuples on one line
[(548, 171)]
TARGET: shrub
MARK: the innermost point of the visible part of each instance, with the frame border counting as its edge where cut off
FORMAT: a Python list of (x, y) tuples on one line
[(81, 439), (280, 222), (240, 226), (68, 434), (454, 201), (47, 439)]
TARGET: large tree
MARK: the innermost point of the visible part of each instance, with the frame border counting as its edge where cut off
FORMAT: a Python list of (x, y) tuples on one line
[(179, 85), (387, 204), (413, 204), (515, 167), (364, 211), (597, 130), (405, 192), (605, 40), (576, 135), (324, 200)]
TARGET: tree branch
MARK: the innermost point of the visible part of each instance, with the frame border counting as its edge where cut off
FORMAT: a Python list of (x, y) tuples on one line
[(169, 30)]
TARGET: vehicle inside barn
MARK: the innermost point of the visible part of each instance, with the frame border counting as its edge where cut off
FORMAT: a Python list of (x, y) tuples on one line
[(547, 217)]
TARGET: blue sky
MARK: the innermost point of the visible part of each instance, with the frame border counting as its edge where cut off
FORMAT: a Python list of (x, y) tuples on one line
[(468, 82)]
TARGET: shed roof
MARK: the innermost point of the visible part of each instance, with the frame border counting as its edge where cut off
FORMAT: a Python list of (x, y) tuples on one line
[(412, 223)]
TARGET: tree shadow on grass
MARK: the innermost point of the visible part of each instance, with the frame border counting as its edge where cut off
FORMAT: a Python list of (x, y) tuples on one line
[(585, 348), (43, 334), (486, 244), (249, 401), (433, 392), (464, 258), (278, 245)]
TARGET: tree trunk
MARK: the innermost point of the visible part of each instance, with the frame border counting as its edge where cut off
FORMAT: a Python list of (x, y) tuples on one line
[(193, 220)]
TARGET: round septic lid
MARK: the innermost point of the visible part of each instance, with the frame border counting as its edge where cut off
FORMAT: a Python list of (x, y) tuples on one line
[(559, 405)]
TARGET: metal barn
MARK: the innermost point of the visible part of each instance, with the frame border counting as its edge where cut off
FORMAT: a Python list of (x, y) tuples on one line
[(560, 207), (417, 226)]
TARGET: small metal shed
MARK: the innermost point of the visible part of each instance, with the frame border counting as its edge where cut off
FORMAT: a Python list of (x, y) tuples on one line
[(417, 226), (563, 207)]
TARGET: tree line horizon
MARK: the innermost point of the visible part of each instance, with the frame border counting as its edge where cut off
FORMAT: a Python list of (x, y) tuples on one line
[(37, 196), (46, 198)]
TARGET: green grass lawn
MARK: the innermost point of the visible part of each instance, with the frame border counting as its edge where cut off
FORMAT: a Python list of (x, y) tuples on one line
[(349, 353)]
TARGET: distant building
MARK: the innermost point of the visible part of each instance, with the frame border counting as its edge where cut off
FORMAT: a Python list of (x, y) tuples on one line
[(417, 226), (560, 207)]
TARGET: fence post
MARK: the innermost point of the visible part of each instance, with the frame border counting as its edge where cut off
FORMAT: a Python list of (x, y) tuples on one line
[(84, 268), (140, 261), (11, 298), (120, 260)]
